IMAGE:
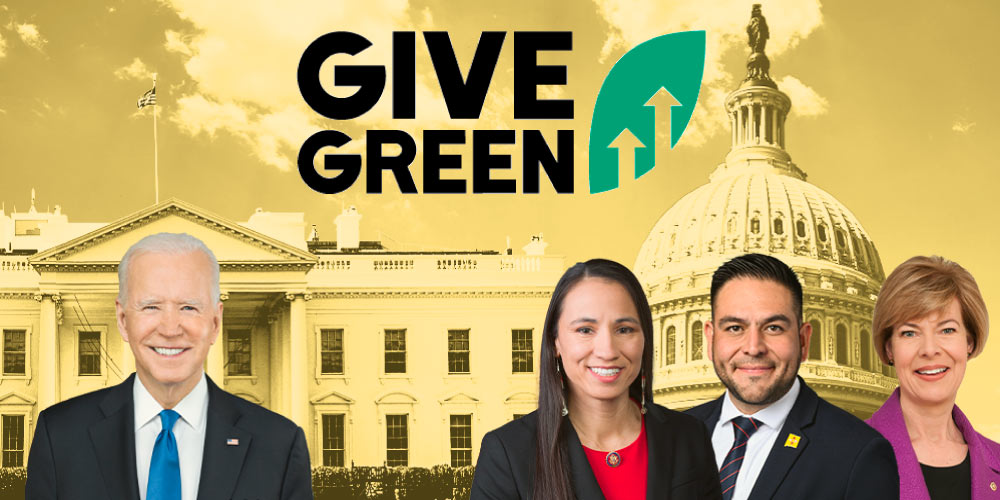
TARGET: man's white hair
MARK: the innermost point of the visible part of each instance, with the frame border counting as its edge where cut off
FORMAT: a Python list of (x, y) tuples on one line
[(168, 243)]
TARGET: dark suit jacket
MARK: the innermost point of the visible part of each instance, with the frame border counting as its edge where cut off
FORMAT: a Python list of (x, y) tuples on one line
[(85, 448), (681, 464), (837, 457)]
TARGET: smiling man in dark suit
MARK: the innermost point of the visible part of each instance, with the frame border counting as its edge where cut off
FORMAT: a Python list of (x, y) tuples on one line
[(772, 435), (167, 432)]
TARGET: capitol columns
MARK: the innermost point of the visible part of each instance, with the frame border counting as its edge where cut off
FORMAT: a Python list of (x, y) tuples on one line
[(216, 362), (297, 371), (48, 349), (765, 121)]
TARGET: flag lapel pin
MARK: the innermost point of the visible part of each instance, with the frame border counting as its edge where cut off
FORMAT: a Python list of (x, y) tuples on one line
[(232, 442), (792, 441)]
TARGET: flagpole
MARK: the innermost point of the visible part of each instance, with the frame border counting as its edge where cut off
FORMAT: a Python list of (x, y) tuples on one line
[(156, 156)]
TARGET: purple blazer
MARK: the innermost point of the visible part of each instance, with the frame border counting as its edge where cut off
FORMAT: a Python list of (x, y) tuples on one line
[(983, 453)]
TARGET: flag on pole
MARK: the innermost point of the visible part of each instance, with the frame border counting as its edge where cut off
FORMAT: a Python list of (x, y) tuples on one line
[(147, 99)]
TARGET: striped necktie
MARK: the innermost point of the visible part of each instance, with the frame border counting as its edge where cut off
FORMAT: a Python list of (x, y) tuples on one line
[(164, 481), (743, 428)]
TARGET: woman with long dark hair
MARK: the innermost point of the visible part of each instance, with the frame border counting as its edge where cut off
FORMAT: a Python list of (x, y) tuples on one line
[(597, 433)]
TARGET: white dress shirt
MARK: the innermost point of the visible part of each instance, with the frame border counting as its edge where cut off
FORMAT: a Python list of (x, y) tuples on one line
[(189, 432), (760, 443)]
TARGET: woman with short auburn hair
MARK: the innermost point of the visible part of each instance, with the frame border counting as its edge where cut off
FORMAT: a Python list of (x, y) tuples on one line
[(929, 320)]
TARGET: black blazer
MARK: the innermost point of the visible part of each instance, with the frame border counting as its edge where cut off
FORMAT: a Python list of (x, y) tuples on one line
[(838, 456), (85, 448), (681, 464)]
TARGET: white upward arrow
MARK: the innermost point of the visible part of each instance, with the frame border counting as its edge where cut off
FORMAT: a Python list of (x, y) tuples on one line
[(663, 103), (626, 144)]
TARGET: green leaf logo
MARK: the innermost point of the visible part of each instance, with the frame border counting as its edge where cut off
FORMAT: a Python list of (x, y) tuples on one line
[(651, 91)]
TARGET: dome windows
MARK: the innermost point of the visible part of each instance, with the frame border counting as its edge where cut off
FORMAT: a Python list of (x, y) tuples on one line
[(866, 351), (816, 342), (756, 211), (821, 232), (668, 345), (697, 335), (843, 346)]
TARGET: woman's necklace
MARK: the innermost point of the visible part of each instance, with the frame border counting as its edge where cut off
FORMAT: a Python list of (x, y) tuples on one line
[(613, 458)]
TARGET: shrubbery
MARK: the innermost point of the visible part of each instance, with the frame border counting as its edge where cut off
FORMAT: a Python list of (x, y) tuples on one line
[(392, 483), (341, 483), (12, 482)]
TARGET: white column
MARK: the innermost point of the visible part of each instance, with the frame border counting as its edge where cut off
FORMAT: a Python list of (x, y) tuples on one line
[(48, 373), (765, 123), (748, 140), (758, 130), (733, 120), (216, 362), (744, 118), (781, 131), (297, 366), (276, 381), (774, 125)]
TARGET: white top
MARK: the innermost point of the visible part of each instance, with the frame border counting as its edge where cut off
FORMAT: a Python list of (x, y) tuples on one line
[(189, 432), (760, 443)]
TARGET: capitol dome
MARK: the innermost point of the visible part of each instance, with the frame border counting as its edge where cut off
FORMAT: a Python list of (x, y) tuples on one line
[(763, 207), (759, 201)]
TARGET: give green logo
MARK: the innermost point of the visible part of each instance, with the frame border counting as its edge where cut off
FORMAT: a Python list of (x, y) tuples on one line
[(650, 92)]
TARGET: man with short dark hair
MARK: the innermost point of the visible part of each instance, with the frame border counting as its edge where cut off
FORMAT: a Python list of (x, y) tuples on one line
[(773, 436), (167, 432)]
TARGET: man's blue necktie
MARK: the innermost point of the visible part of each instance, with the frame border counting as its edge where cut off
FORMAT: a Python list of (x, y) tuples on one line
[(743, 428), (165, 468)]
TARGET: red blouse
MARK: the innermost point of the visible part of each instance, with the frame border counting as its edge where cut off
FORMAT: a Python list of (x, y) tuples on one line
[(627, 481)]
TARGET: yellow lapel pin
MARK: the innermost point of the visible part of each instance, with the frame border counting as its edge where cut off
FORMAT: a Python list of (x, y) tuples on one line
[(792, 441)]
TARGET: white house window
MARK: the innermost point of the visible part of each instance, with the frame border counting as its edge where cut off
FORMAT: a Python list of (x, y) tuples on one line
[(396, 441), (89, 352), (521, 354), (458, 351), (14, 348), (13, 440), (333, 440), (395, 351), (332, 351), (239, 351), (461, 440)]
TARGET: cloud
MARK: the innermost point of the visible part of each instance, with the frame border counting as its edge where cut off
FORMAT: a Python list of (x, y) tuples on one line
[(42, 109), (805, 100), (963, 126), (273, 133), (244, 72), (427, 20), (137, 70), (30, 36), (789, 22), (176, 43), (3, 46)]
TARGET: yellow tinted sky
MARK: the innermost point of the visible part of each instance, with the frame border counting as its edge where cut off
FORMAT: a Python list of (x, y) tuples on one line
[(892, 113)]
